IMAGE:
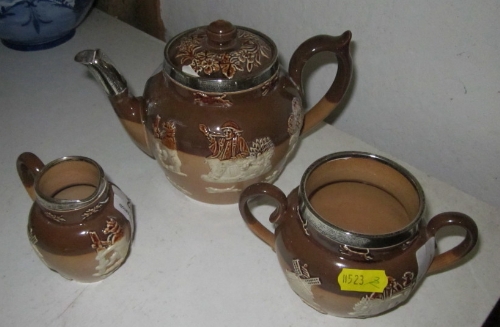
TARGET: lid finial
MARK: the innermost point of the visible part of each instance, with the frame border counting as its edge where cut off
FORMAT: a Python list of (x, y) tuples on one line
[(221, 34)]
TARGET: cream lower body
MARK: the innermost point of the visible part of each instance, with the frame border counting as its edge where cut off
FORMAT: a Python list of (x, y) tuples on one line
[(216, 181)]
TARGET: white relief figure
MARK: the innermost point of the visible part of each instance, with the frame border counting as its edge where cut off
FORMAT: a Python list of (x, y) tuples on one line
[(112, 252), (295, 122), (222, 190), (296, 117), (393, 294), (166, 146), (232, 160), (301, 282)]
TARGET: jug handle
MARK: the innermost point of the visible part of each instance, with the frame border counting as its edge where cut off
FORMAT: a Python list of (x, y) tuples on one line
[(28, 167), (339, 45), (447, 259), (276, 217)]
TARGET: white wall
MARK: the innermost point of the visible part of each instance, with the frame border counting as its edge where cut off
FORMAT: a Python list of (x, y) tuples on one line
[(426, 87)]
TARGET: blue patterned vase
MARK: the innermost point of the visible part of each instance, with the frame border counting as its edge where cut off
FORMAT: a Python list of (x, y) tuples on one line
[(40, 24)]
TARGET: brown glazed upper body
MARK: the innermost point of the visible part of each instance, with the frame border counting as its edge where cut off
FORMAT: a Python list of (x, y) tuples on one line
[(349, 264), (222, 114)]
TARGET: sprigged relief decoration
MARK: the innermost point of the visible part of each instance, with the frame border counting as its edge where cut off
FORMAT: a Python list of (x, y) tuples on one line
[(208, 62)]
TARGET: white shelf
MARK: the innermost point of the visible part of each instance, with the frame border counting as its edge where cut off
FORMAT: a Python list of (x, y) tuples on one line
[(191, 264)]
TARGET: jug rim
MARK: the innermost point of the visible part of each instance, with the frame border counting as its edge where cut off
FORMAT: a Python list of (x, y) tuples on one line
[(55, 204)]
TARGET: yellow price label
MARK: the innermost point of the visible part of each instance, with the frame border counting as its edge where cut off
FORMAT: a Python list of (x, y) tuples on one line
[(360, 280)]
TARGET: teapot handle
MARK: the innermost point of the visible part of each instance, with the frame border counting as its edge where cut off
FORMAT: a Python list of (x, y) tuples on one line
[(450, 257), (339, 45), (255, 226), (28, 167)]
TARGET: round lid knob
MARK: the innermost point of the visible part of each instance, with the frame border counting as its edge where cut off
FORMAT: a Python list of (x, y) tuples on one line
[(221, 34)]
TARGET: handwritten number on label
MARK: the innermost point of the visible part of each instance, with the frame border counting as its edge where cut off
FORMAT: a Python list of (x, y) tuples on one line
[(360, 280)]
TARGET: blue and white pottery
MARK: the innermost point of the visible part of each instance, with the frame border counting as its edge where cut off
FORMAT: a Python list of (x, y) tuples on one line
[(40, 24)]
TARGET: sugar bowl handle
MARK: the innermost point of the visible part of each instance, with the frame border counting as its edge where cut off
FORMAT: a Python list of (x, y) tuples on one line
[(339, 45), (448, 258), (262, 189), (28, 166)]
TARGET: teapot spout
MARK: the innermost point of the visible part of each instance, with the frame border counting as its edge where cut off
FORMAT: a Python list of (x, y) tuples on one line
[(129, 109), (103, 70)]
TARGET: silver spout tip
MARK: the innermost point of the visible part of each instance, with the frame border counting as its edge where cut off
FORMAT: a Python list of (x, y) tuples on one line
[(103, 70), (87, 57)]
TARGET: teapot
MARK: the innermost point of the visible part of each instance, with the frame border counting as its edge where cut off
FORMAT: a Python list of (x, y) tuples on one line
[(222, 114)]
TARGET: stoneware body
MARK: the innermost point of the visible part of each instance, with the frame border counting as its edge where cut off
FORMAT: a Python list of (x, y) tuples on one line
[(40, 24), (351, 239), (80, 225), (222, 114)]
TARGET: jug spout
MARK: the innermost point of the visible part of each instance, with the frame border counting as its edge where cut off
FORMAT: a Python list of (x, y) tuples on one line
[(129, 109)]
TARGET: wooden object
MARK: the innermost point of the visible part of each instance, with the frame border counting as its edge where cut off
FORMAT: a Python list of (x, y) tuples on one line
[(144, 15)]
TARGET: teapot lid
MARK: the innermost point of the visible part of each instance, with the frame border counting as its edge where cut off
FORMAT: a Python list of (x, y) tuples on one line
[(220, 58)]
